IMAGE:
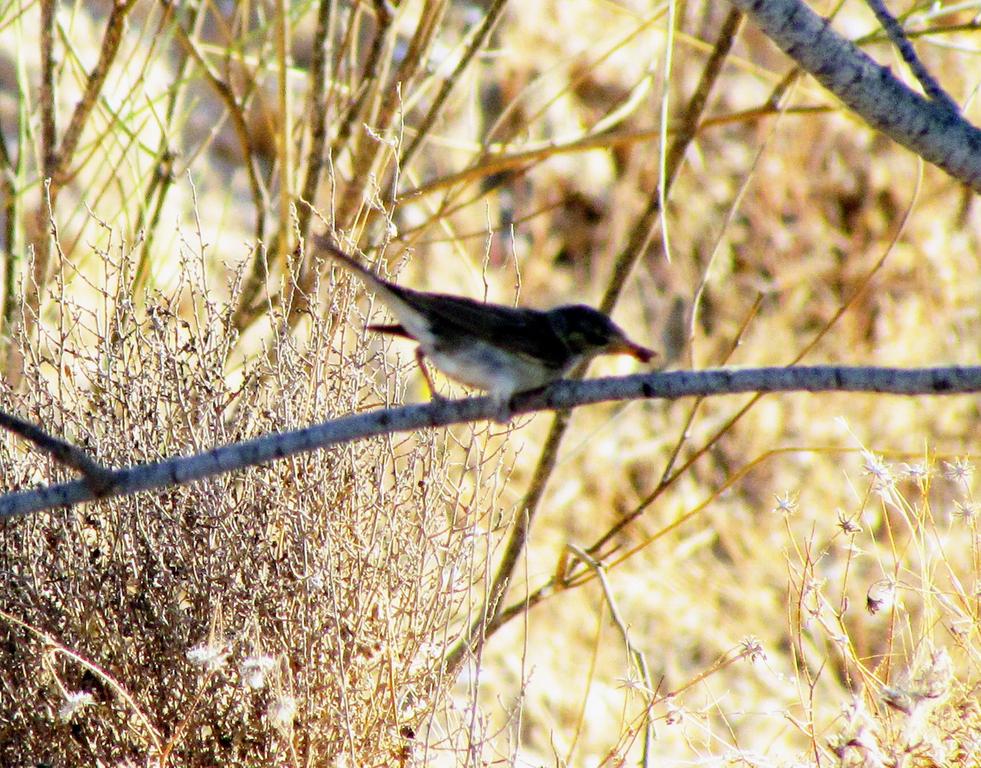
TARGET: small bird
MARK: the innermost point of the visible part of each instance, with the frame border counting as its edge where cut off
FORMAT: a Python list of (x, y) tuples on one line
[(502, 350)]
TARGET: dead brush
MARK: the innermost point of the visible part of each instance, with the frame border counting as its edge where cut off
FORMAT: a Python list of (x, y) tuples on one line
[(289, 613)]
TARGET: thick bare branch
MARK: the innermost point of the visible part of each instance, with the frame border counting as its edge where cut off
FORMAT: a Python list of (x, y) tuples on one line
[(929, 128), (561, 396)]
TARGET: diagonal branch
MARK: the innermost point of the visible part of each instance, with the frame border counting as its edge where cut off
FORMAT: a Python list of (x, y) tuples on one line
[(225, 92), (93, 87), (949, 380), (97, 476), (928, 127), (900, 39)]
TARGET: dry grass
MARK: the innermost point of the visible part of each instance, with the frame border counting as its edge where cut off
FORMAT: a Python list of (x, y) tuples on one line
[(805, 592)]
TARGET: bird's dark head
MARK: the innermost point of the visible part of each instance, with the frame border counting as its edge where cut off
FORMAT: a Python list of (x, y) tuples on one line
[(587, 331)]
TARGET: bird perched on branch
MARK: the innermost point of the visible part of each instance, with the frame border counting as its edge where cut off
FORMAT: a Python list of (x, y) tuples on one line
[(502, 350)]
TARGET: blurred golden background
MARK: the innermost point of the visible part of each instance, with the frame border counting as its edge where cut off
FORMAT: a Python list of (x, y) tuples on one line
[(802, 584)]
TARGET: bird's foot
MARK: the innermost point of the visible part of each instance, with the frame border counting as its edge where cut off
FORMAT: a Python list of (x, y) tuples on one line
[(506, 406), (503, 409), (518, 399)]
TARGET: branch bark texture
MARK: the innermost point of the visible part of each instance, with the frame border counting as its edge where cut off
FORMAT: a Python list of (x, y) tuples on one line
[(563, 395), (930, 128)]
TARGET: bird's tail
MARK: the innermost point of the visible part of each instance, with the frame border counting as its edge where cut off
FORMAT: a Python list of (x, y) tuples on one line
[(328, 246), (397, 299)]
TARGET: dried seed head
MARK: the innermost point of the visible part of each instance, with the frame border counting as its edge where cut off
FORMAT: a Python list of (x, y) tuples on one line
[(880, 596), (73, 703), (281, 712), (208, 656)]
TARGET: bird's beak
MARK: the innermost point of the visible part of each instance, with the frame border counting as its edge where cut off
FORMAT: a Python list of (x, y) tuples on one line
[(625, 346)]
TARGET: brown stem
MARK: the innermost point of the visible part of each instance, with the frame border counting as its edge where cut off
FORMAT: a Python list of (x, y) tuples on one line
[(643, 231)]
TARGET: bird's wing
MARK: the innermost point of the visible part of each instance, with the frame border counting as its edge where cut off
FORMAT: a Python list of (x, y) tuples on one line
[(520, 331), (436, 318)]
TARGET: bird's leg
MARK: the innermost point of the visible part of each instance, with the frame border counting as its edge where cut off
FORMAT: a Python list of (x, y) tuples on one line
[(502, 408), (421, 362)]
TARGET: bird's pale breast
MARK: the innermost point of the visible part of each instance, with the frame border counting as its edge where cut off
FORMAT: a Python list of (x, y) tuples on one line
[(489, 368)]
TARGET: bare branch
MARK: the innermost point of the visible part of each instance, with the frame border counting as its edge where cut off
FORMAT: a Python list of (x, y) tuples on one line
[(93, 87), (929, 128), (476, 45), (225, 92), (316, 117), (97, 476), (561, 396), (645, 684), (901, 40), (381, 120), (49, 141)]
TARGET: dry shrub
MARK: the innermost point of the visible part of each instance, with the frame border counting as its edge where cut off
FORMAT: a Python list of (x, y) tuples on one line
[(294, 612)]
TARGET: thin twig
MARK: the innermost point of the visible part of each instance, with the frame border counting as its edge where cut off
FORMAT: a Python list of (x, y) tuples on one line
[(476, 45), (381, 121), (636, 654), (284, 137), (635, 248), (899, 38), (50, 642), (372, 70), (49, 139), (108, 49), (26, 313), (9, 207), (224, 91), (317, 117), (163, 175)]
